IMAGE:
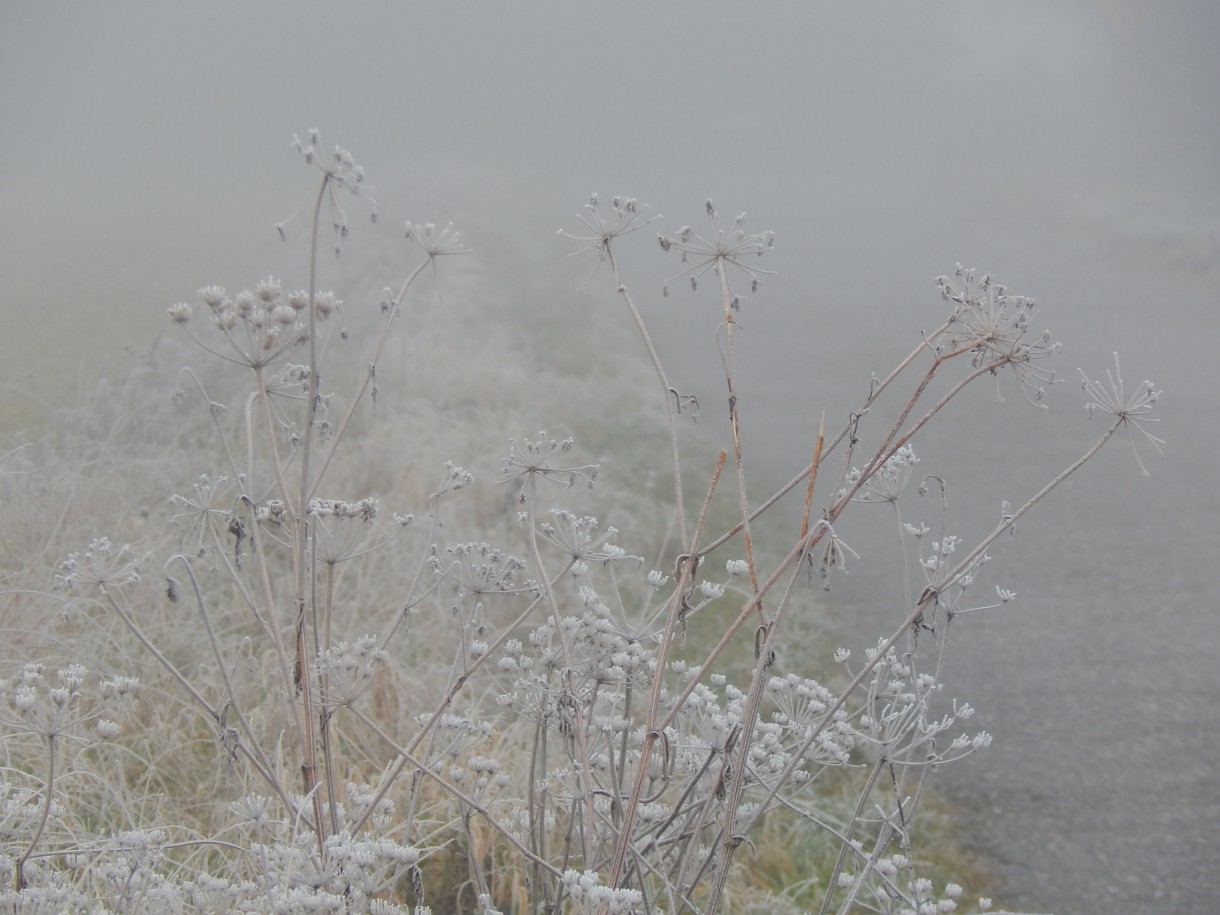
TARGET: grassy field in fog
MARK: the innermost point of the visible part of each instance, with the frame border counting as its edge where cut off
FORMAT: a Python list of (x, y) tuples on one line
[(305, 613)]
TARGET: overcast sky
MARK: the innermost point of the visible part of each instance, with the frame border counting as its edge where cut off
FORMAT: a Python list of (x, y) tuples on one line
[(1069, 147)]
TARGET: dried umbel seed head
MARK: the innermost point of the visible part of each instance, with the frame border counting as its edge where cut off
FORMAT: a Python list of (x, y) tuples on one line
[(1134, 412), (268, 290), (994, 326), (626, 215), (437, 242), (101, 565), (722, 248), (325, 303), (339, 173), (262, 326), (213, 297)]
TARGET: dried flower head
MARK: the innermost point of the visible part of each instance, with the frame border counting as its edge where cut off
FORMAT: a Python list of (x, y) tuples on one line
[(536, 459), (992, 325), (887, 483), (339, 172), (579, 538), (437, 242), (259, 326), (101, 566), (625, 216), (722, 248), (1133, 412)]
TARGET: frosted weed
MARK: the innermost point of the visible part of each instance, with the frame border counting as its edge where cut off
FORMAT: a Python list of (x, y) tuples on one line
[(492, 704)]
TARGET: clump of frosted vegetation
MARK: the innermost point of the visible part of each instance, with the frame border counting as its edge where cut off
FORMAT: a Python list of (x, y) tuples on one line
[(352, 661)]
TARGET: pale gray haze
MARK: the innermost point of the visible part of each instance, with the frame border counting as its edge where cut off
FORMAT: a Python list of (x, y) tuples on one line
[(1069, 148)]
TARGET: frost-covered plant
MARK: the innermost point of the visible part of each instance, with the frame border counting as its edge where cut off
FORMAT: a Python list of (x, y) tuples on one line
[(493, 702)]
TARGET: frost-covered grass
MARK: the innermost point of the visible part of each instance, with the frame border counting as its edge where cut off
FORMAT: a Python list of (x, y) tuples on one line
[(334, 628)]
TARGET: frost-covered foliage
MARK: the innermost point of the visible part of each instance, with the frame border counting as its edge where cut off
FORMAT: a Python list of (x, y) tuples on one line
[(341, 672)]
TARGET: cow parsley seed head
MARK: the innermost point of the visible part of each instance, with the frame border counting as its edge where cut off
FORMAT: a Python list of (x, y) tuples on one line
[(579, 538), (736, 567), (284, 315), (995, 327), (538, 459), (24, 698), (101, 566), (348, 669), (325, 303), (340, 173), (269, 291), (625, 215), (437, 242), (180, 313), (887, 482), (258, 328), (70, 702), (213, 297), (1133, 412), (363, 509), (722, 248), (246, 305), (455, 478), (478, 568)]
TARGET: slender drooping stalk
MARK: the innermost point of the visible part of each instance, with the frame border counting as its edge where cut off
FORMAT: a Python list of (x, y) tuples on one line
[(19, 882), (671, 407)]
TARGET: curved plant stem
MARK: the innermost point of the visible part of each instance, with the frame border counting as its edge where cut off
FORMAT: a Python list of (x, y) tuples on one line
[(19, 865)]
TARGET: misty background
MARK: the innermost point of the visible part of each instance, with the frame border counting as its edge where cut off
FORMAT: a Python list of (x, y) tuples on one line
[(1068, 148)]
